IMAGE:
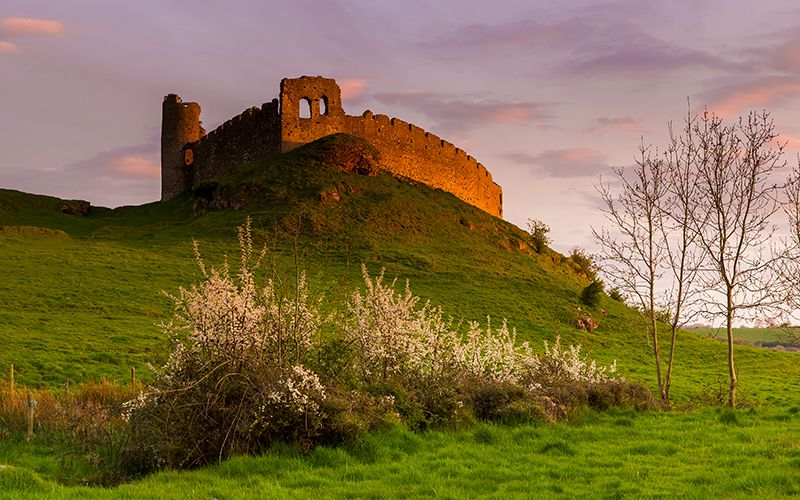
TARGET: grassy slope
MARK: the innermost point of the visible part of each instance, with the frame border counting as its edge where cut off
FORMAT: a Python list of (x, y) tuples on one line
[(80, 298)]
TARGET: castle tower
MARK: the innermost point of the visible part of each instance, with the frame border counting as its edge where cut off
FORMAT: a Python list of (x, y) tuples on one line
[(180, 124), (323, 100)]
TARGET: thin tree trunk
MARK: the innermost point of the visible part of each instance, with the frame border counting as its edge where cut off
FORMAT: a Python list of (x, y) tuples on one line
[(731, 366), (653, 321), (668, 378), (656, 351)]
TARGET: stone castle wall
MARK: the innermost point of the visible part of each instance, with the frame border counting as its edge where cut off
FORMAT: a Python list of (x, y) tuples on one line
[(249, 136), (411, 152), (406, 150)]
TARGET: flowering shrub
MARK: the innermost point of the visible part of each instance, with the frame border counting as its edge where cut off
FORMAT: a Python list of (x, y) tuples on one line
[(290, 408), (235, 378), (565, 364), (411, 352), (494, 355), (394, 337), (231, 319)]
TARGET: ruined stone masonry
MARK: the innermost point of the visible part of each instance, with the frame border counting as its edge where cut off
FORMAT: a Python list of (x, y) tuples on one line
[(189, 155)]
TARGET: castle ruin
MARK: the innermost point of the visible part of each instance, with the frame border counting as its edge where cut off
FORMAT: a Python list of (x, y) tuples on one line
[(189, 155)]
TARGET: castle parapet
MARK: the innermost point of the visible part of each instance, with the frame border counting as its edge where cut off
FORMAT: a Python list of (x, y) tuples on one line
[(248, 136)]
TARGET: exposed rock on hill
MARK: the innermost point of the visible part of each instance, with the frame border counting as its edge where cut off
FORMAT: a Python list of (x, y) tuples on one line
[(350, 154)]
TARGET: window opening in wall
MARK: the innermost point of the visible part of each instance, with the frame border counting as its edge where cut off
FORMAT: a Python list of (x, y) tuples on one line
[(305, 108), (323, 105)]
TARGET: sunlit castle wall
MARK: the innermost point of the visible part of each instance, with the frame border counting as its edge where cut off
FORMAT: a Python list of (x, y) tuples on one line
[(189, 156), (406, 150)]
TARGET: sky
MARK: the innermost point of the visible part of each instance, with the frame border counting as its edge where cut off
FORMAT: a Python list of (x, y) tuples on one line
[(548, 95)]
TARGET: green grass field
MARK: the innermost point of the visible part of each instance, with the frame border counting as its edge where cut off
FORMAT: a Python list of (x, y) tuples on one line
[(699, 454), (80, 299), (749, 335)]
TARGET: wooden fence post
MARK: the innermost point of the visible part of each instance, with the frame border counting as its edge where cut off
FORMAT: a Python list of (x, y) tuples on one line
[(31, 404), (12, 379), (133, 376)]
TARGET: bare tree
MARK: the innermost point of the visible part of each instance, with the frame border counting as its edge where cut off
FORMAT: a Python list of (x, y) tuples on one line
[(790, 270), (792, 206), (634, 254), (683, 256), (702, 214), (734, 204)]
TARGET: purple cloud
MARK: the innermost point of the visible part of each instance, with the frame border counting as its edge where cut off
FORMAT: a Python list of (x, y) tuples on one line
[(515, 34), (640, 54), (606, 40), (462, 114), (776, 52), (569, 162)]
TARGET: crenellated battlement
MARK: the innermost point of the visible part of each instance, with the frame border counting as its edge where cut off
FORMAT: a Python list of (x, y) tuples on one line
[(248, 136), (243, 122), (406, 150)]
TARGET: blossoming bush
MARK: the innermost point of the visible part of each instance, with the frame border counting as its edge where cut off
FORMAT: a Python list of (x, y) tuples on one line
[(235, 380), (393, 337), (434, 372), (249, 367)]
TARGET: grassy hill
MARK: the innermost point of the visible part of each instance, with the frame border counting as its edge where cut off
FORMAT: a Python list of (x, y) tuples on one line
[(80, 294)]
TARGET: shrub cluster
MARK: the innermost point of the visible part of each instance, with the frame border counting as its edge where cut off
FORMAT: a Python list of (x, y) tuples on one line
[(591, 295), (583, 264), (249, 367), (539, 234), (237, 376)]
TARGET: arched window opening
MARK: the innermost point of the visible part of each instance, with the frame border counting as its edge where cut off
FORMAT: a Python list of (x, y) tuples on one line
[(323, 105), (305, 108)]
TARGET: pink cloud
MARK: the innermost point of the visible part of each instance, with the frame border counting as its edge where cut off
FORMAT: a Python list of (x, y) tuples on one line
[(136, 166), (788, 57), (30, 26), (623, 124), (8, 48), (120, 176), (512, 113), (352, 87), (792, 141), (762, 94)]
